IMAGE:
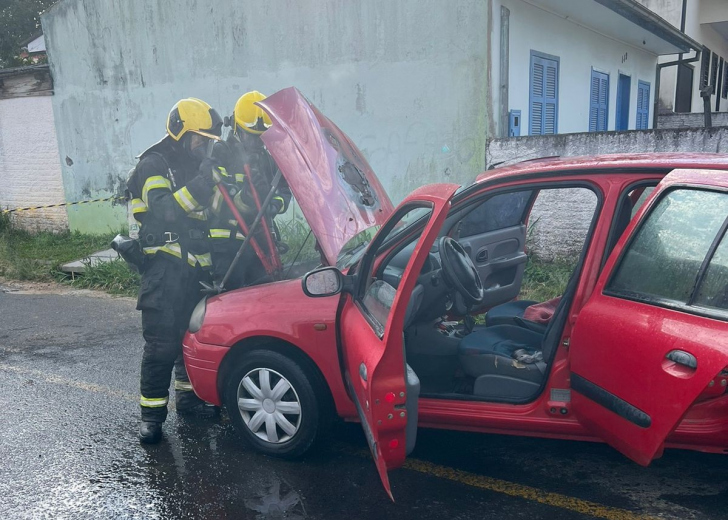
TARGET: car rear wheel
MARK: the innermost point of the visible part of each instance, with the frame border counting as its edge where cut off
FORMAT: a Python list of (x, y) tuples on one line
[(272, 403)]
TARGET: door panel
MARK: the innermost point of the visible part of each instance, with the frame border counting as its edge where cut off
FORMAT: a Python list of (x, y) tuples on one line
[(643, 347), (500, 260), (371, 327), (628, 387)]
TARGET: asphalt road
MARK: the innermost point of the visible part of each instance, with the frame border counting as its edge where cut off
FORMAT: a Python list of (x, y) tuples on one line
[(69, 363)]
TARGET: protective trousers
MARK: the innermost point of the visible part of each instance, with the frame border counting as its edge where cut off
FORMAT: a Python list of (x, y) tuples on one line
[(168, 294)]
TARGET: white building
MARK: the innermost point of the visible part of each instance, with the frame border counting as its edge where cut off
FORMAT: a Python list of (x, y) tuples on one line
[(565, 66), (706, 21)]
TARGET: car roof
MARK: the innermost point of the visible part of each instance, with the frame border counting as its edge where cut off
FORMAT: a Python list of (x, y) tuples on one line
[(704, 177), (612, 162)]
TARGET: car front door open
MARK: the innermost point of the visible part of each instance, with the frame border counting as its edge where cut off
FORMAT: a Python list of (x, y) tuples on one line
[(371, 330)]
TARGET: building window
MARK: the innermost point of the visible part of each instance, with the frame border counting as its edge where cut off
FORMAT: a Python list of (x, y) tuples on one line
[(598, 102), (713, 71), (643, 105), (704, 67), (544, 94), (724, 93)]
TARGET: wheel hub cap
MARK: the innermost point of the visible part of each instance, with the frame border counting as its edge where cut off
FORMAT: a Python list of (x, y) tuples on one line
[(269, 405)]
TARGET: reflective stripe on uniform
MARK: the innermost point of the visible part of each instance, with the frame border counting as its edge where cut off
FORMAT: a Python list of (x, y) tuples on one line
[(239, 177), (283, 204), (149, 402), (217, 199), (197, 215), (205, 260), (152, 183), (225, 233), (176, 251), (182, 385), (138, 206), (185, 199)]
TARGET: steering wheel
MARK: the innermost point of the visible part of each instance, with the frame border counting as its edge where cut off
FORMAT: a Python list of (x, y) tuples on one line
[(459, 271)]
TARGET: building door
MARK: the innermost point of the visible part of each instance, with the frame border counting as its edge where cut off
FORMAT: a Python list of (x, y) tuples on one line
[(598, 102), (623, 91), (643, 105), (544, 94), (684, 96)]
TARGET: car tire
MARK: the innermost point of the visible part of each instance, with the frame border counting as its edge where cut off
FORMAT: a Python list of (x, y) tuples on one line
[(267, 432)]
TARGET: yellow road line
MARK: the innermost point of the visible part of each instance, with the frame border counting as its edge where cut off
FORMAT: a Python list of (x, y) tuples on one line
[(495, 485), (525, 492)]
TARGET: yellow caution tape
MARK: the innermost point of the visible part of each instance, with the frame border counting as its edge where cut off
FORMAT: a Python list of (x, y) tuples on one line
[(15, 210)]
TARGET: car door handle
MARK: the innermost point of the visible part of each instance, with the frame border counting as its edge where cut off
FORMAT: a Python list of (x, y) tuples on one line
[(503, 263), (482, 256), (683, 358)]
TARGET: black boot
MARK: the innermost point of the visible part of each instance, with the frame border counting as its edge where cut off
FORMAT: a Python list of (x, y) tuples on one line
[(185, 401), (150, 432)]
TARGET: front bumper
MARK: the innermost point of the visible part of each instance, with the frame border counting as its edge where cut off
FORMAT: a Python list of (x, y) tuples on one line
[(202, 361)]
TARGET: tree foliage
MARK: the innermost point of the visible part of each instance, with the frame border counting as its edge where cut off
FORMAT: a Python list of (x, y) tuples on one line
[(19, 20)]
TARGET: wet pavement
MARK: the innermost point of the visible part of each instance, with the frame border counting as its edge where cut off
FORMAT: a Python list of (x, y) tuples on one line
[(69, 366)]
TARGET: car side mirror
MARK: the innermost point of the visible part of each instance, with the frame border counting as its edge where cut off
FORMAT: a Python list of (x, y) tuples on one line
[(326, 281)]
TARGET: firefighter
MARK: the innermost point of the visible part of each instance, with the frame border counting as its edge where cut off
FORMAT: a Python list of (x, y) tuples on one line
[(243, 146), (170, 188)]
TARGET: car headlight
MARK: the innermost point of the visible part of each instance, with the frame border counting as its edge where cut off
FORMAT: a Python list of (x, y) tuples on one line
[(198, 315)]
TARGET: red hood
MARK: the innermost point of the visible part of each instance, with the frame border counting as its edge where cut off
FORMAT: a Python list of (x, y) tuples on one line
[(333, 184)]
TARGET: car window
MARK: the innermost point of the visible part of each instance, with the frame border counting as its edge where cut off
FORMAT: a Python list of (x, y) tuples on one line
[(498, 212), (713, 291), (378, 295), (664, 258)]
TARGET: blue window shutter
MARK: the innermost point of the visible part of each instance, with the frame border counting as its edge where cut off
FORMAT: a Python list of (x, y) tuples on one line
[(643, 105), (598, 102), (544, 93)]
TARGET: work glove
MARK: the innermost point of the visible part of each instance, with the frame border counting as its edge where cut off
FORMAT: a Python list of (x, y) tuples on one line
[(212, 172), (275, 207), (245, 204)]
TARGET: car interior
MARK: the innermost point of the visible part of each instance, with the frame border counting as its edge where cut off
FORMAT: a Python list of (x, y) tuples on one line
[(466, 337)]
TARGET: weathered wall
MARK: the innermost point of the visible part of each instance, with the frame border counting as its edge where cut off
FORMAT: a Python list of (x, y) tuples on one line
[(30, 172), (406, 80), (515, 149), (691, 120)]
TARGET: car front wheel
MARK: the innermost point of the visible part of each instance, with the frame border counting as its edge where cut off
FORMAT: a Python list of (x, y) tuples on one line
[(272, 403)]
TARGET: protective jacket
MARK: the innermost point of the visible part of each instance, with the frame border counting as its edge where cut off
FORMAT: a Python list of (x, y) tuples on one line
[(225, 234), (168, 201)]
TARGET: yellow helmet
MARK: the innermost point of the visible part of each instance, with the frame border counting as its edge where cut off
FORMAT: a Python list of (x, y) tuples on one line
[(249, 116), (193, 115)]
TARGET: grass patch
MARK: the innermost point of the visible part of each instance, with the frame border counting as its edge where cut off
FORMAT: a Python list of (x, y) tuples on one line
[(37, 256), (543, 280), (114, 277)]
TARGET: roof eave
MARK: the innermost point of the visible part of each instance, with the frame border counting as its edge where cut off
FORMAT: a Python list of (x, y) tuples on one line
[(648, 20)]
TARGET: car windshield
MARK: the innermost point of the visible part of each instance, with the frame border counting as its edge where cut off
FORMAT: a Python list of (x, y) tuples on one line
[(355, 248)]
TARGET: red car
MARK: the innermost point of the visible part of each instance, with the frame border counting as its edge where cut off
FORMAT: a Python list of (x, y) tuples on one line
[(635, 352)]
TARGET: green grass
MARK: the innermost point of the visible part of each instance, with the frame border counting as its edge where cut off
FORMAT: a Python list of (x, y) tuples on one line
[(543, 280), (114, 277), (37, 256)]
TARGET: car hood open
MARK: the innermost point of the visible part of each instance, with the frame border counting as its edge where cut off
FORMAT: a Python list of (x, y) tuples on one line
[(332, 182)]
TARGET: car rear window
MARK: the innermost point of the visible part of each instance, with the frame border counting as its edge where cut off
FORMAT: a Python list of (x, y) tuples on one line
[(713, 291), (666, 260)]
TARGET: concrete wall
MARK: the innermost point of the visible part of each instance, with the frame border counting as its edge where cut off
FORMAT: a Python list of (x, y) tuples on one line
[(580, 49), (691, 120), (507, 151), (406, 80), (30, 171)]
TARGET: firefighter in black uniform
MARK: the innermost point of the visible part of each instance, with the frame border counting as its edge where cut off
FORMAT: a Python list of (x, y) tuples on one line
[(170, 188), (242, 147)]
